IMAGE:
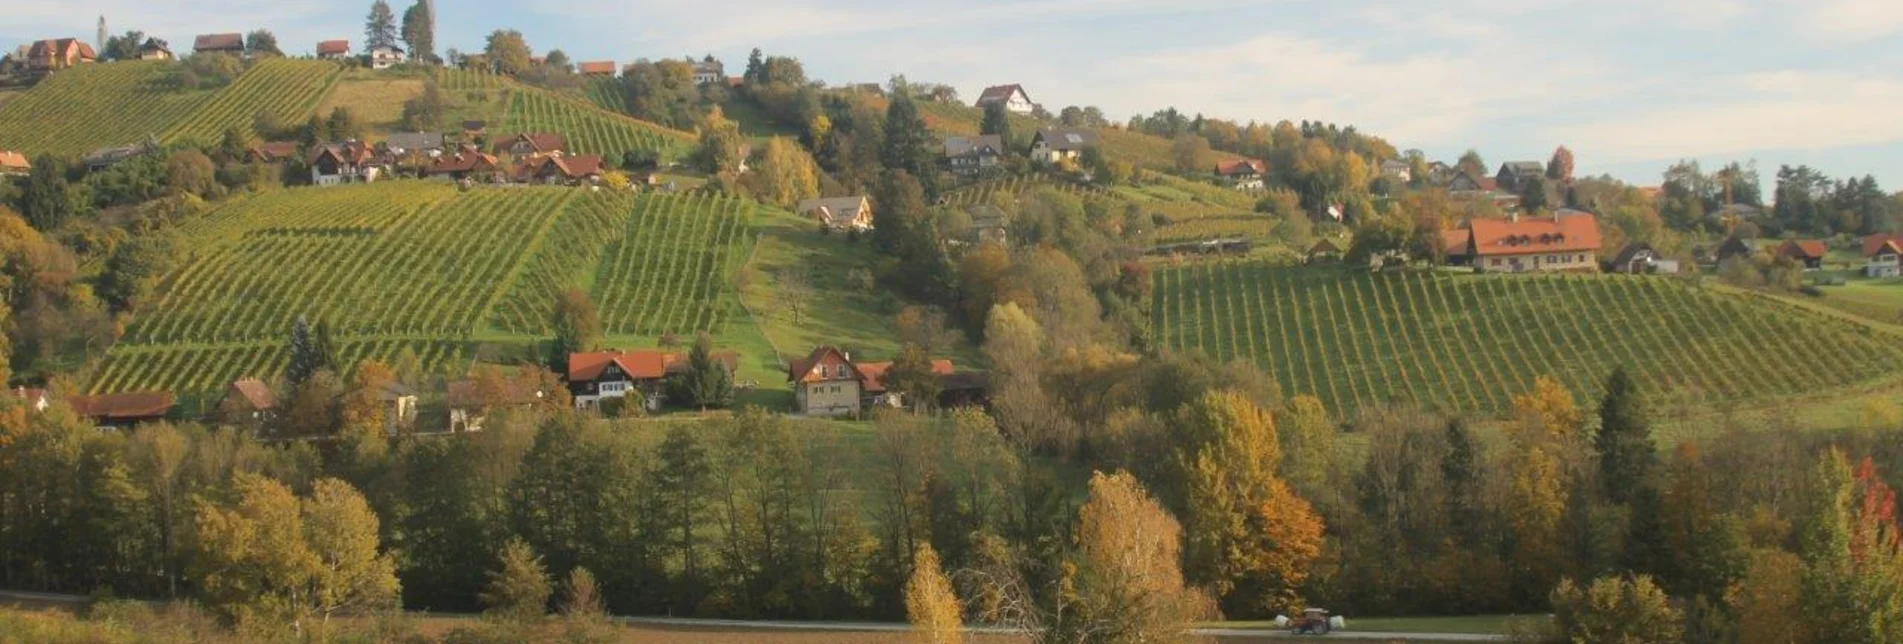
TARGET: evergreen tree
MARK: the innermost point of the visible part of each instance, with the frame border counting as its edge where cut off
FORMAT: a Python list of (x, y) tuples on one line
[(908, 144), (1533, 194), (419, 31), (304, 360), (1460, 470), (706, 383), (997, 121), (47, 200), (1624, 441), (519, 590), (756, 68), (379, 29)]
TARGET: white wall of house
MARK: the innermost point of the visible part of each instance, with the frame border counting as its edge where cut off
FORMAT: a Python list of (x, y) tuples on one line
[(1884, 266), (1532, 262)]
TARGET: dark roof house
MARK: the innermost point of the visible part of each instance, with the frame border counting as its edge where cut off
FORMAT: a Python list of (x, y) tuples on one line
[(232, 43)]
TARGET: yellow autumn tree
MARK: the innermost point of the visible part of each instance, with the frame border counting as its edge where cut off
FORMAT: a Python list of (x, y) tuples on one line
[(786, 173), (930, 604), (1129, 580), (1769, 597), (1548, 410), (1251, 538)]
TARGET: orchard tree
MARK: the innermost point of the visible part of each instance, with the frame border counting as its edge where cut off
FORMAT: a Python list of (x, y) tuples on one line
[(507, 52)]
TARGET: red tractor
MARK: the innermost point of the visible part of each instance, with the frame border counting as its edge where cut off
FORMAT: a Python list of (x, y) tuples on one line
[(1314, 621)]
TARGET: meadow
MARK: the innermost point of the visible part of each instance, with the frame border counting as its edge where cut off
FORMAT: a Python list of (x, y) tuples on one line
[(1468, 343)]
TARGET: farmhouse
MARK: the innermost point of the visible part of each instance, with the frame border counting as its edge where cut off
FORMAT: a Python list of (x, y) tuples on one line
[(1514, 174), (155, 49), (1244, 174), (14, 164), (1455, 245), (872, 389), (708, 71), (522, 145), (48, 56), (839, 213), (1534, 244), (828, 383), (249, 400), (1884, 253), (103, 158), (1011, 96), (1733, 247), (600, 375), (596, 68), (466, 163), (1465, 184), (399, 406), (969, 155), (271, 152), (1053, 144), (385, 57), (1809, 252), (1639, 258), (232, 44), (123, 410), (423, 143), (556, 169), (350, 162), (333, 49)]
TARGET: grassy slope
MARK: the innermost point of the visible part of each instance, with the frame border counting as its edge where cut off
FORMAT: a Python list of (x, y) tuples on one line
[(1354, 341), (223, 313)]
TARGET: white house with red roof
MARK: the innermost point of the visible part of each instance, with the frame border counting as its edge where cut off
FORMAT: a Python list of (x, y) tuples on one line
[(1012, 96), (14, 163), (1244, 174), (599, 375), (1884, 255), (1531, 244), (829, 383), (333, 49)]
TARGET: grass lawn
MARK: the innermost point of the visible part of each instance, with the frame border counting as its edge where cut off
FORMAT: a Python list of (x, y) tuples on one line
[(377, 104), (753, 120), (1880, 300)]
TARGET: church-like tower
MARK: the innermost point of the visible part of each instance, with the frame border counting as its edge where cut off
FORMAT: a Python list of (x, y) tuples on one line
[(100, 44)]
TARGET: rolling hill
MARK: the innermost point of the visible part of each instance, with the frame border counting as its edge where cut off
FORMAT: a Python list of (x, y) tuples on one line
[(420, 266), (1469, 343)]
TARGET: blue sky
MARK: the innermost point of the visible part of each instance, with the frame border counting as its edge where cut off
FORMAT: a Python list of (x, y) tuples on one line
[(1629, 85)]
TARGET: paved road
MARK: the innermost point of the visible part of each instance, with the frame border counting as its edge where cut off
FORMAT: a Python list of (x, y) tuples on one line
[(889, 627)]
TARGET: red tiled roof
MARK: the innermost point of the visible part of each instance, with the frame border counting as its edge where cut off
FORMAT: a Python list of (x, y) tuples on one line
[(1454, 241), (539, 141), (592, 67), (1241, 166), (639, 365), (333, 48), (1488, 184), (802, 370), (218, 42), (872, 374), (1874, 243), (1803, 248), (60, 48), (126, 406), (1534, 235), (11, 160), (255, 393), (351, 153), (464, 161), (275, 150)]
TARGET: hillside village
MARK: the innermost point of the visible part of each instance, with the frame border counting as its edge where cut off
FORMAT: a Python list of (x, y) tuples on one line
[(336, 251)]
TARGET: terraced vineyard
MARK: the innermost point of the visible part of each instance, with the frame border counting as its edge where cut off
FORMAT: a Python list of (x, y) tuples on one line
[(1469, 343), (94, 106), (609, 94), (420, 266), (590, 129), (1012, 189)]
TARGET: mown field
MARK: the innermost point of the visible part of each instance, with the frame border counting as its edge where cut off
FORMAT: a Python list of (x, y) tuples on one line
[(1469, 343), (406, 265), (93, 106)]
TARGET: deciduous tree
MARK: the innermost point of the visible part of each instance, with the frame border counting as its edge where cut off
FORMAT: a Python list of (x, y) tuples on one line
[(507, 52), (1250, 537), (261, 43), (577, 328), (931, 606), (786, 173), (519, 588)]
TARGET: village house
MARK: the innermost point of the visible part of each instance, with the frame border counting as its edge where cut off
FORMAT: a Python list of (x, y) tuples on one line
[(970, 155), (1011, 96), (421, 144), (1884, 255), (1243, 174), (1323, 251), (470, 403), (596, 68), (385, 57), (1456, 244), (600, 375), (1732, 247), (333, 50), (249, 400), (232, 44), (465, 164), (1053, 144), (1530, 244), (124, 409), (523, 145), (1639, 258), (1397, 170), (155, 49), (556, 169), (708, 71), (1465, 184), (14, 164), (349, 162), (48, 56), (1514, 174), (103, 158), (271, 152), (399, 407), (1808, 252), (827, 382), (839, 213)]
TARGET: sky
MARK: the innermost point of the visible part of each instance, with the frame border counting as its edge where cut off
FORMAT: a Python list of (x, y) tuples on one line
[(1630, 86)]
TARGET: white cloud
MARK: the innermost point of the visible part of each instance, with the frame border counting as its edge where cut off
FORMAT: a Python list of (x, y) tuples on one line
[(1838, 21), (1780, 110)]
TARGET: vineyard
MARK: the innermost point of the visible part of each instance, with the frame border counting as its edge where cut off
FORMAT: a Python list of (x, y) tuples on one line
[(1186, 210), (449, 267), (590, 129), (1010, 190), (1469, 343), (95, 106), (609, 94)]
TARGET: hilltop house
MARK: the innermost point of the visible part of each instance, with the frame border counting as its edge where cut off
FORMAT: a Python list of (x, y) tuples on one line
[(827, 382), (1514, 174), (596, 68), (155, 49), (523, 145), (600, 375), (1733, 247), (123, 410), (232, 44), (1884, 253), (385, 57), (1809, 252), (349, 162), (1397, 170), (1640, 258), (1011, 96), (48, 56), (465, 164), (1244, 174), (1531, 244), (839, 213), (969, 155), (556, 169), (1053, 144), (708, 71), (333, 50), (14, 164)]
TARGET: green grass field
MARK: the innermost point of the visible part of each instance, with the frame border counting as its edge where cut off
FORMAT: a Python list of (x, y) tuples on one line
[(1880, 300), (1468, 343), (94, 106), (420, 266)]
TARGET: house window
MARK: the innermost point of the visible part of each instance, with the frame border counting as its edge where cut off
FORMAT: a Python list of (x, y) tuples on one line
[(1496, 261), (613, 387)]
